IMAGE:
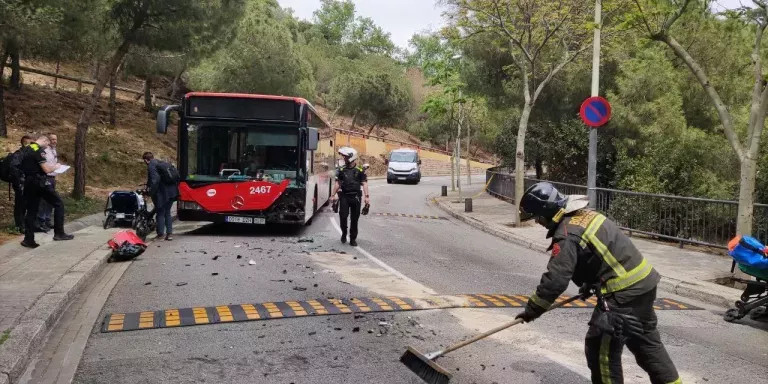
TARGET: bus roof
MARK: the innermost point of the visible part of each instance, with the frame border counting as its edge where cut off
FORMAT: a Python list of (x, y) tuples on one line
[(299, 100)]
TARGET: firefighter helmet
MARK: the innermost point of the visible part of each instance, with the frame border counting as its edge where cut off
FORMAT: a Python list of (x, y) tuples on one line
[(542, 200)]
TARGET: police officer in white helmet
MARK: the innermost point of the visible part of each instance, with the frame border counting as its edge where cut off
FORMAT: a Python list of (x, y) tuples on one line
[(353, 183)]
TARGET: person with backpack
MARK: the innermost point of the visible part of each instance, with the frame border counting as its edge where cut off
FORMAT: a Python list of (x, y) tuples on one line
[(10, 172), (37, 187), (162, 184)]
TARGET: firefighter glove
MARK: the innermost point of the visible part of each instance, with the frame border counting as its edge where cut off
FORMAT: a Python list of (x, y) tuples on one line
[(586, 291), (528, 315)]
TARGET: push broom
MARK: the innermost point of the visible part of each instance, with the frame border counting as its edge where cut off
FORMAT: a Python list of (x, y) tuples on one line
[(425, 367)]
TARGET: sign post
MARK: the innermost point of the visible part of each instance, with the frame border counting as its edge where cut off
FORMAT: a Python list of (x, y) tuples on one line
[(592, 161)]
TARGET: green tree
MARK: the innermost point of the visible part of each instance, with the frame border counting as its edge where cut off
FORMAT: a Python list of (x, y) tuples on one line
[(21, 21), (262, 58), (164, 25), (661, 21), (542, 38), (376, 94)]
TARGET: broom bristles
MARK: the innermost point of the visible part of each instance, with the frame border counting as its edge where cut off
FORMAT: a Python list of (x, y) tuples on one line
[(425, 368)]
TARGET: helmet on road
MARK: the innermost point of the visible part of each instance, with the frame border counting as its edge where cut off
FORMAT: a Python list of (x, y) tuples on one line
[(348, 153), (543, 201)]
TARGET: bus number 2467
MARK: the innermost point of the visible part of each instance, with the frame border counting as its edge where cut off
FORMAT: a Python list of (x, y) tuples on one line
[(260, 190)]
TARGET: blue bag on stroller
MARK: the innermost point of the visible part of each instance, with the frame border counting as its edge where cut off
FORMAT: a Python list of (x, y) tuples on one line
[(752, 258)]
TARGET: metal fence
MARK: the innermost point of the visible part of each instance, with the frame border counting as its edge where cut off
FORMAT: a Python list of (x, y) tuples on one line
[(681, 219)]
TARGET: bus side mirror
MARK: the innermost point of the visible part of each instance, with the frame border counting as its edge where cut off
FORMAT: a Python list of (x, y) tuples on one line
[(313, 139), (162, 117)]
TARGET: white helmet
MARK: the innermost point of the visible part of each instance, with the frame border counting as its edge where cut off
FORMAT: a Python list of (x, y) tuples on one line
[(348, 153)]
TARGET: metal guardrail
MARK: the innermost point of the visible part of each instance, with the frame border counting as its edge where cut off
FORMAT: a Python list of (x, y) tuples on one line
[(688, 220)]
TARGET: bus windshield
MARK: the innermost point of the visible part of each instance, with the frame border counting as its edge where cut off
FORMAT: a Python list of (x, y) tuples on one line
[(217, 152)]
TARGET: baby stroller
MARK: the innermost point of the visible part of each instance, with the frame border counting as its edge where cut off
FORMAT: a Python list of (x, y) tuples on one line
[(123, 208), (752, 259)]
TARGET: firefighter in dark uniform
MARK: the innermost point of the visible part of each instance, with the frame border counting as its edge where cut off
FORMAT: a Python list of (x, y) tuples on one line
[(593, 252), (350, 179), (36, 187)]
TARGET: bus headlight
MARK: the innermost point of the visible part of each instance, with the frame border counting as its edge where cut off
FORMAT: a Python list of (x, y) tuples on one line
[(190, 205)]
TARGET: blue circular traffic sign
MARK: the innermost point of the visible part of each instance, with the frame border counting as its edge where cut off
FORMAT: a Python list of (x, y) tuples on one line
[(595, 111)]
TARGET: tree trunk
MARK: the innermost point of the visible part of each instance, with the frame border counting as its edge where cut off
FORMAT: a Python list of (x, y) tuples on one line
[(520, 160), (354, 119), (539, 168), (453, 170), (175, 86), (3, 127), (372, 128), (13, 49), (469, 155), (56, 79), (112, 101), (84, 122), (148, 94), (746, 196)]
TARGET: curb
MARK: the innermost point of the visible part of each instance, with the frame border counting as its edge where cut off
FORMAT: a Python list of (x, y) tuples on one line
[(706, 292), (28, 336)]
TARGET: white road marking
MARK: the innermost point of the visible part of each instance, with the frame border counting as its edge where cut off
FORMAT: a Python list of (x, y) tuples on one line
[(381, 263)]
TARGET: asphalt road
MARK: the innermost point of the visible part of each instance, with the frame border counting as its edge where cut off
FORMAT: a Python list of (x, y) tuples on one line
[(401, 256)]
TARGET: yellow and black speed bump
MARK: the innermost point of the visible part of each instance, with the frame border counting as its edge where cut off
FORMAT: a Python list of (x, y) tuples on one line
[(169, 318), (388, 214)]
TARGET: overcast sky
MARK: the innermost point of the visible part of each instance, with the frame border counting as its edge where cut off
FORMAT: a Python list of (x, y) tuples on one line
[(403, 18)]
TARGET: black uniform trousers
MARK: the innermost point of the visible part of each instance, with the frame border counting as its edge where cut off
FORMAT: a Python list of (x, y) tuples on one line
[(604, 350), (19, 205), (349, 204), (33, 193)]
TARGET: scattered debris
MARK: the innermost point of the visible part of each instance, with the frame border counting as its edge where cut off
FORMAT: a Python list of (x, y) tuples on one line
[(314, 285), (148, 283), (312, 333), (181, 284), (252, 262), (277, 281), (239, 256), (216, 257), (482, 366), (383, 323), (306, 240), (238, 246), (337, 329), (220, 241), (356, 329), (214, 273), (299, 289), (262, 336), (355, 258), (284, 271), (359, 316), (370, 331), (187, 265)]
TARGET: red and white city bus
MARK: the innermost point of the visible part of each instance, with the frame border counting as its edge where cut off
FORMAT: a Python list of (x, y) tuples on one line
[(251, 159)]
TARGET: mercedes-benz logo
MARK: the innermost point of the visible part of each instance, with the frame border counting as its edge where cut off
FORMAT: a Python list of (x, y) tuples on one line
[(238, 202)]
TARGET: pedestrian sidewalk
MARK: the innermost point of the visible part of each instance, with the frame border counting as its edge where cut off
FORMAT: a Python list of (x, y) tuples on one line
[(37, 285), (684, 272)]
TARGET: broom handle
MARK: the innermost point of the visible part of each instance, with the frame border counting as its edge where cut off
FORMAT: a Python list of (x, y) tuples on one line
[(497, 329)]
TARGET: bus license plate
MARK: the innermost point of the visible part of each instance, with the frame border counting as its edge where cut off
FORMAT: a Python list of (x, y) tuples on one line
[(245, 220)]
